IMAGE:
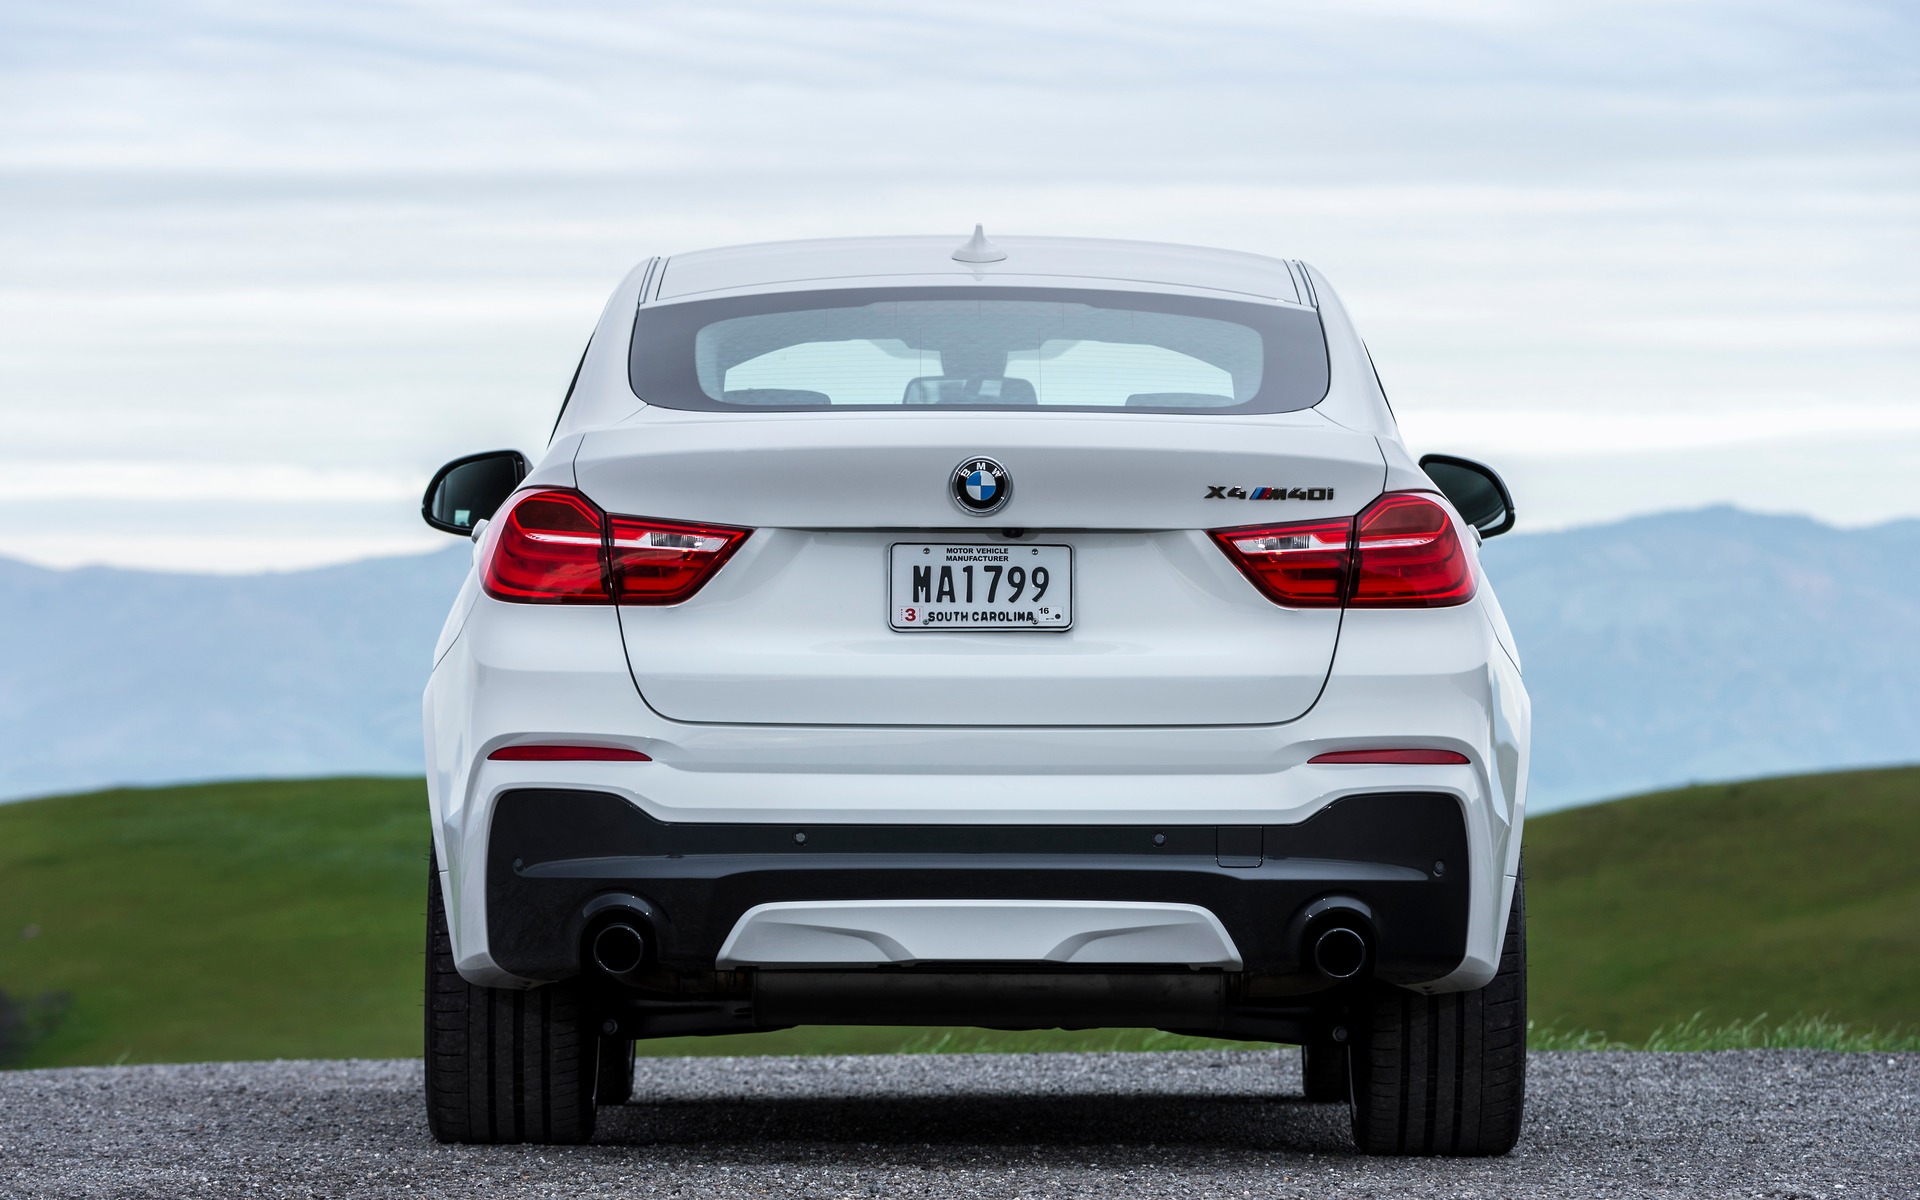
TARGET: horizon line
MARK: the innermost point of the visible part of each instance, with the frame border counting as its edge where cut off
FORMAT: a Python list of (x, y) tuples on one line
[(17, 559)]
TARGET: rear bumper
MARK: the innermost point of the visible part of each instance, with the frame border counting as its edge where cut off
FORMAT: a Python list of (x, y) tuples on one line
[(1401, 859), (1432, 679)]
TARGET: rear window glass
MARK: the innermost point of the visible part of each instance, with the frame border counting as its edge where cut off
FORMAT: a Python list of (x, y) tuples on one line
[(979, 348)]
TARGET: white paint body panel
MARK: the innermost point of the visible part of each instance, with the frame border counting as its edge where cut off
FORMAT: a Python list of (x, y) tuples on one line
[(1167, 631), (751, 717), (856, 470), (866, 933)]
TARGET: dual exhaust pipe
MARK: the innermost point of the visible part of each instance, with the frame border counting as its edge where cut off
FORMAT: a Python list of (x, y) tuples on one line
[(1336, 942), (619, 949)]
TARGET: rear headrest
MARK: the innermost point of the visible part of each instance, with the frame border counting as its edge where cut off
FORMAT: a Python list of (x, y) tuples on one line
[(1180, 400), (941, 389), (795, 397)]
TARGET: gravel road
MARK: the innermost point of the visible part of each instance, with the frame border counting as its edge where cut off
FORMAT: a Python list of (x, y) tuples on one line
[(1116, 1126)]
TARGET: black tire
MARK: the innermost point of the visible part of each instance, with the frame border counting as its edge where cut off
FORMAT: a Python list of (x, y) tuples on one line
[(1446, 1074), (616, 1072), (1325, 1069), (503, 1065)]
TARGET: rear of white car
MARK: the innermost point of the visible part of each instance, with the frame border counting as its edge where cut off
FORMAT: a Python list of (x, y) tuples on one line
[(1055, 639)]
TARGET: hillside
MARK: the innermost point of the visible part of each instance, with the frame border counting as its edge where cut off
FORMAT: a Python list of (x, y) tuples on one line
[(1780, 896), (1689, 646), (1715, 644), (232, 921), (129, 677), (282, 919)]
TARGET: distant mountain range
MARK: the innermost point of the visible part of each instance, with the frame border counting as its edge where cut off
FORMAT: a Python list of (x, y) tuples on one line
[(111, 676), (1688, 646), (1713, 644)]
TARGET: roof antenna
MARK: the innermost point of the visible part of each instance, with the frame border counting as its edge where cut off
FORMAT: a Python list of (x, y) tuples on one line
[(978, 249)]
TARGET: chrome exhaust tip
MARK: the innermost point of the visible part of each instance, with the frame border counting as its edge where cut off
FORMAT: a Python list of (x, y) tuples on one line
[(1340, 952), (619, 949)]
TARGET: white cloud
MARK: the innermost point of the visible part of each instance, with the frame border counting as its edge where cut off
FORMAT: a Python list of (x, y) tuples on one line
[(1551, 435), (1798, 475), (201, 554), (185, 480)]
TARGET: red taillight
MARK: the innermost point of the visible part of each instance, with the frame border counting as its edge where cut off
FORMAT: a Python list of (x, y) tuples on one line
[(1428, 758), (557, 547), (1409, 556), (1402, 552), (550, 549), (664, 562), (548, 753), (1302, 565)]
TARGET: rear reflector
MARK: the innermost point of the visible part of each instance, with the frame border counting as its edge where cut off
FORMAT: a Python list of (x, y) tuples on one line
[(1423, 758), (1302, 565), (557, 547), (567, 754)]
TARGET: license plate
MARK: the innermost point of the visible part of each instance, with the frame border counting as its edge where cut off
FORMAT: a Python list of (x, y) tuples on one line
[(950, 585)]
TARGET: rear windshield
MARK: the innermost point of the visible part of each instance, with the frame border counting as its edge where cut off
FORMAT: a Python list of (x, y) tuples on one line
[(979, 348)]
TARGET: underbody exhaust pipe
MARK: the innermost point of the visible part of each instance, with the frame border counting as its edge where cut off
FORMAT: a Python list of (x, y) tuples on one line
[(619, 950), (1339, 952)]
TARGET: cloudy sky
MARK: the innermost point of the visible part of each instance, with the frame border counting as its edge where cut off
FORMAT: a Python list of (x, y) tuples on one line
[(262, 267)]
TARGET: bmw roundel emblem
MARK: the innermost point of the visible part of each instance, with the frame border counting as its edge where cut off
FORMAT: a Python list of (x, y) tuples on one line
[(981, 486)]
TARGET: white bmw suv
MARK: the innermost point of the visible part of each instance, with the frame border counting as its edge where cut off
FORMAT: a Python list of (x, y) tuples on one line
[(923, 631)]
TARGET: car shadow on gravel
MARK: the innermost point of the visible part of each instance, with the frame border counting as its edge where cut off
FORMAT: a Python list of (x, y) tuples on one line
[(766, 1128)]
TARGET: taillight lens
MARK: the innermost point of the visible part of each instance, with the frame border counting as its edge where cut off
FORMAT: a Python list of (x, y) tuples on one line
[(1302, 565), (1409, 556), (664, 562), (1401, 552), (557, 547), (550, 549)]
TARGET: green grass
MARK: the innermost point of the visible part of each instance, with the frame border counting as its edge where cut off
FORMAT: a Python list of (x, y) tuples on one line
[(283, 919), (1797, 896), (228, 921), (1695, 1033)]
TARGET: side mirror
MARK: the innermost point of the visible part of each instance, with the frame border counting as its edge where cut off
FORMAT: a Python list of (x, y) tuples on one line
[(467, 490), (1475, 489)]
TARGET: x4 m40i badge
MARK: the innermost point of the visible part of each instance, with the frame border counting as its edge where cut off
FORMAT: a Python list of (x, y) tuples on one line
[(1221, 491)]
